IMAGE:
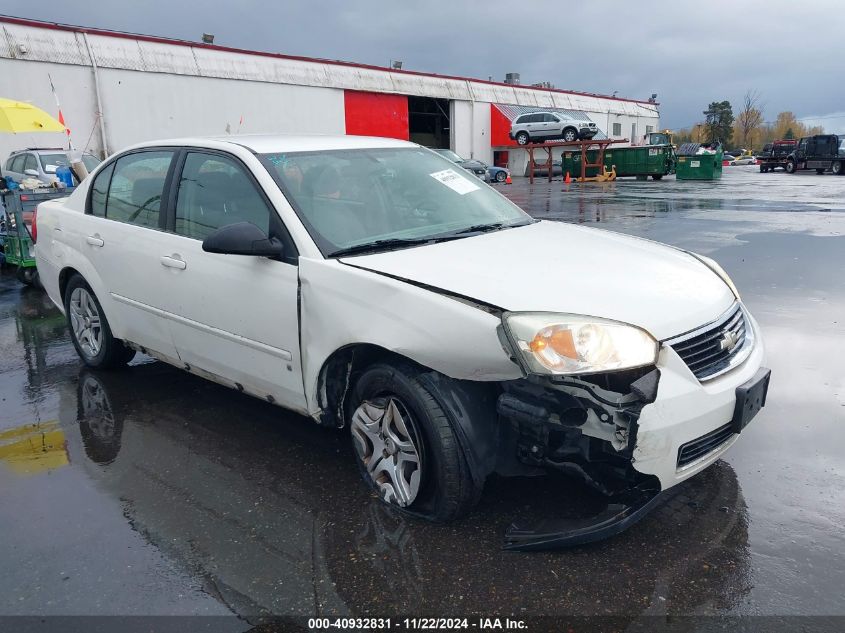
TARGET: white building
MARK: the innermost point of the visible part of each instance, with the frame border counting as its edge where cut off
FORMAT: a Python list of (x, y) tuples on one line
[(117, 89)]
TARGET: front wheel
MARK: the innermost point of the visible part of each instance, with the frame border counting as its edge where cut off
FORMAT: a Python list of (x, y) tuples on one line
[(791, 167), (569, 135), (522, 138), (89, 328), (406, 446), (836, 168)]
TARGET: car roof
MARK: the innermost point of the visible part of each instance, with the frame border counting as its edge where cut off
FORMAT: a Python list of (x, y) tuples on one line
[(45, 150), (276, 143)]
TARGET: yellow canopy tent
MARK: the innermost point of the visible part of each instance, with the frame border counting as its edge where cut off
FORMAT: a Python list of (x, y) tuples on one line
[(17, 117)]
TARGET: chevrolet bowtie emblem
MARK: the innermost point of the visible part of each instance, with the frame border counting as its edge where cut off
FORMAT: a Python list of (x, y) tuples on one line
[(728, 341)]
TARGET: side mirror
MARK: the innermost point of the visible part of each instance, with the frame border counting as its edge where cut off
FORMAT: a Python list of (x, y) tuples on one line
[(30, 172), (243, 238)]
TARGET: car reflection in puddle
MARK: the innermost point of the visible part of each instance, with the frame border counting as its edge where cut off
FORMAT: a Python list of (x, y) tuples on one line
[(268, 513)]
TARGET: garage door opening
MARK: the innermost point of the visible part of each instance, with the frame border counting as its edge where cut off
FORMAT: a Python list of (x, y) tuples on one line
[(428, 121)]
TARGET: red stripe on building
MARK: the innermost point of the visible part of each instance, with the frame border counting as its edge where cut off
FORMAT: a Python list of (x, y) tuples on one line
[(500, 127), (376, 114)]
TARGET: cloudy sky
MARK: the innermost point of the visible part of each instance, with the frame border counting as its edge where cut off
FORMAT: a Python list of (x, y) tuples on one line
[(689, 52)]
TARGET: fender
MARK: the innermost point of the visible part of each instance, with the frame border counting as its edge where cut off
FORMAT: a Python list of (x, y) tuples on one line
[(343, 305)]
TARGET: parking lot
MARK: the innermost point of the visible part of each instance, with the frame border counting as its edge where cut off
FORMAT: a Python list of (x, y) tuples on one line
[(154, 492)]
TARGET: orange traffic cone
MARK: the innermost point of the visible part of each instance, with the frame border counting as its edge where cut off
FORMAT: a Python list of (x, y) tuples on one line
[(508, 180), (568, 179)]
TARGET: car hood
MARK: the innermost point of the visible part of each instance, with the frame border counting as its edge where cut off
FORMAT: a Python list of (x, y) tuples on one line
[(555, 267)]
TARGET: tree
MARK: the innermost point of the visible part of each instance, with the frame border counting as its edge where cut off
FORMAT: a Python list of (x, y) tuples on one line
[(718, 121), (789, 134), (750, 118), (785, 122)]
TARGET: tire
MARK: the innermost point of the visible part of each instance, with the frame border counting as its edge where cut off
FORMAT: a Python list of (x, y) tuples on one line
[(570, 134), (501, 176), (95, 345), (440, 488), (522, 138), (836, 168), (819, 171), (791, 167), (27, 276)]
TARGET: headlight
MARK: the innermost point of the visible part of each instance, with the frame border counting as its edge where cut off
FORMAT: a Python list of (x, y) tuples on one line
[(712, 265), (569, 344)]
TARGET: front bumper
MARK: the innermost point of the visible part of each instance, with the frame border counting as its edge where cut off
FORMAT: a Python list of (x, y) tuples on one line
[(626, 442), (685, 410)]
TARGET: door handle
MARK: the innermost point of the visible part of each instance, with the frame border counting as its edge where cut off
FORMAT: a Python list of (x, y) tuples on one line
[(173, 261), (95, 240)]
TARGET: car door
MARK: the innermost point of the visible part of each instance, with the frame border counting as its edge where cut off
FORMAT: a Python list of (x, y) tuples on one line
[(120, 235), (801, 152), (533, 126), (30, 166), (14, 167), (234, 316), (553, 126)]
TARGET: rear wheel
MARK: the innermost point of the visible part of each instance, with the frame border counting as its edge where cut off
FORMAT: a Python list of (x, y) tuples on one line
[(501, 176), (406, 446), (522, 138), (89, 328), (570, 134)]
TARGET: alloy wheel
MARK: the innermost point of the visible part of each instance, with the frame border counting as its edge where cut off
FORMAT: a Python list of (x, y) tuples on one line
[(85, 322), (387, 443)]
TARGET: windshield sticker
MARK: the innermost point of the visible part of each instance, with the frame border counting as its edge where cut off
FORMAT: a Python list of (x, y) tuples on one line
[(455, 181)]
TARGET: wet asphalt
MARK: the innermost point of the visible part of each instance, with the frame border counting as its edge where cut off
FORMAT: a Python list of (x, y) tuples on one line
[(151, 491)]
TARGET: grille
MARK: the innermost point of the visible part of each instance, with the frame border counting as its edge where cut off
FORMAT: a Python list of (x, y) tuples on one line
[(707, 352), (705, 444)]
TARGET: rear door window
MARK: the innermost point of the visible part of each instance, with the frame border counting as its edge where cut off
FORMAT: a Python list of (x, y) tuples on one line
[(17, 163), (137, 186)]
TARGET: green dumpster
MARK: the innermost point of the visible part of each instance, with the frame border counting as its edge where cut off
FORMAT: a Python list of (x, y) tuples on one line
[(695, 166), (655, 161)]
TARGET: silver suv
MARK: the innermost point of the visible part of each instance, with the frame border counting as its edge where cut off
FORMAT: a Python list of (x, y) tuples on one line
[(41, 163), (537, 127)]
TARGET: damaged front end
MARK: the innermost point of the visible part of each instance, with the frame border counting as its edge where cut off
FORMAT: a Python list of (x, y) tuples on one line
[(586, 426)]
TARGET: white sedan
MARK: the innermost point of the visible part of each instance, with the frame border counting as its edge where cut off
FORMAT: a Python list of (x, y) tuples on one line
[(744, 160), (370, 284)]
